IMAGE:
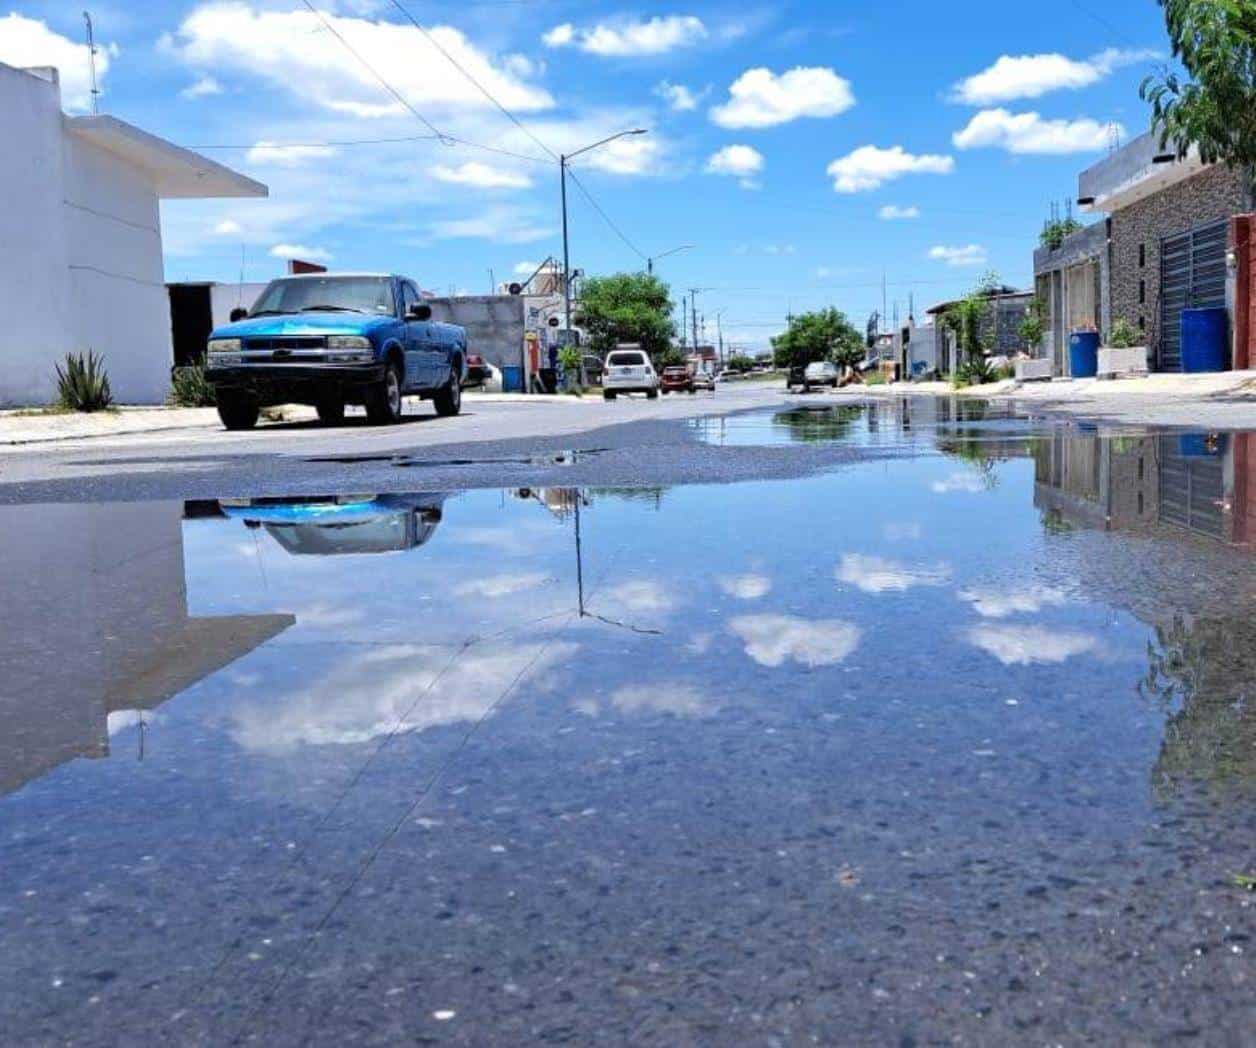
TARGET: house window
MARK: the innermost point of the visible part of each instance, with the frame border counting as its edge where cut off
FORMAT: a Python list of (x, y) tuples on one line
[(1142, 255), (1142, 292)]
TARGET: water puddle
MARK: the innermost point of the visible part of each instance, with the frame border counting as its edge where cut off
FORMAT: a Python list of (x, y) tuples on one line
[(553, 458), (858, 757)]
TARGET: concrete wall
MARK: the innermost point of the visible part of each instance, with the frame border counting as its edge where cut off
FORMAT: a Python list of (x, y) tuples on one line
[(1055, 273), (495, 324), (34, 293), (81, 265), (1214, 194)]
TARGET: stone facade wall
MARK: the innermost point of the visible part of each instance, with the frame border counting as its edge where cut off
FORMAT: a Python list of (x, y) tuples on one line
[(1214, 194), (1002, 327)]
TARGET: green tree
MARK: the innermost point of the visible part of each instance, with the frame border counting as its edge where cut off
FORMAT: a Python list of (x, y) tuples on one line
[(825, 335), (1215, 109), (739, 364), (627, 308)]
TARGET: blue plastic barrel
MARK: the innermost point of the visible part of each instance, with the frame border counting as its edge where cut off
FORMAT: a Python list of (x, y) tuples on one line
[(1204, 339), (1202, 445), (1083, 354), (512, 378)]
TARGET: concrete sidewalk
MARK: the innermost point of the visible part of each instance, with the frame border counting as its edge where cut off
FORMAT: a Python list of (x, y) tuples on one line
[(35, 426)]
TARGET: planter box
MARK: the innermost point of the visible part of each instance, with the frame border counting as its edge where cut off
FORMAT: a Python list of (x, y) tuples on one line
[(1033, 370), (1114, 362)]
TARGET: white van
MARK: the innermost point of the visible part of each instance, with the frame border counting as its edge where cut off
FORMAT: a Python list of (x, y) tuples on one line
[(629, 370)]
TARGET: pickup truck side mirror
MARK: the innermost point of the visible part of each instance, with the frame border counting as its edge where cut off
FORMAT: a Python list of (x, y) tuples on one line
[(239, 313), (420, 311)]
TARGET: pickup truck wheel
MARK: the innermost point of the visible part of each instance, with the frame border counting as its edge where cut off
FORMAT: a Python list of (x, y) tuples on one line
[(237, 411), (448, 401), (651, 394), (383, 400), (608, 394), (331, 411)]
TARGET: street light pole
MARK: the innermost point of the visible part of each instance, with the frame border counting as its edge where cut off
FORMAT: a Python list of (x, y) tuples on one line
[(562, 168), (649, 262)]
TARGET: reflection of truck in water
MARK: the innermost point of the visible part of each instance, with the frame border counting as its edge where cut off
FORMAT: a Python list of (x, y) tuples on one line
[(344, 523)]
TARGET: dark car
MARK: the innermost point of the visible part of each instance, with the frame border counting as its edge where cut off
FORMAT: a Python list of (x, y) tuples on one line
[(797, 376), (477, 372), (676, 379)]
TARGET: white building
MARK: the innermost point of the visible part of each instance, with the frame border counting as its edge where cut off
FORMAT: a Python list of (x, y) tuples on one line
[(80, 241)]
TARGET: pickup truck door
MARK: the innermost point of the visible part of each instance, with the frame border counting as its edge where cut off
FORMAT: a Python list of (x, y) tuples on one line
[(418, 342)]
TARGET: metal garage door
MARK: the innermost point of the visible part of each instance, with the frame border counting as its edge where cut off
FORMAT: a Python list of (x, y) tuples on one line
[(1192, 489), (1192, 275)]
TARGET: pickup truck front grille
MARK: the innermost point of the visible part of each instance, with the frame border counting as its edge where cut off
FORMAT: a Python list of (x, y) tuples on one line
[(288, 342)]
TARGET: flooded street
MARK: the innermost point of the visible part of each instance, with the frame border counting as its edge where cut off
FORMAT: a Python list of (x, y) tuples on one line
[(952, 743)]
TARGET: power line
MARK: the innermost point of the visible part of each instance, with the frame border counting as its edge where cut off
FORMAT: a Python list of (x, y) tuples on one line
[(480, 87), (605, 217)]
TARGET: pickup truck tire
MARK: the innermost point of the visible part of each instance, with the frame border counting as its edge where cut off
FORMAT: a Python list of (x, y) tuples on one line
[(609, 394), (331, 411), (383, 400), (237, 411), (651, 394), (448, 400)]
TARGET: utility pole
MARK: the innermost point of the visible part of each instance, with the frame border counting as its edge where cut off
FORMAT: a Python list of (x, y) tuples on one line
[(492, 282), (91, 58), (684, 322), (693, 315), (719, 327)]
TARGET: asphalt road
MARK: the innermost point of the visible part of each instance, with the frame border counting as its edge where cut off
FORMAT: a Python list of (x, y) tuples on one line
[(631, 442)]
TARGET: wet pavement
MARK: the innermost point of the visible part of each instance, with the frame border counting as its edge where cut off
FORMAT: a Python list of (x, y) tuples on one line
[(949, 741)]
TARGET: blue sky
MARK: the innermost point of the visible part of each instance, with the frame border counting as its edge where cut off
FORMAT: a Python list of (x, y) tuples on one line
[(781, 139)]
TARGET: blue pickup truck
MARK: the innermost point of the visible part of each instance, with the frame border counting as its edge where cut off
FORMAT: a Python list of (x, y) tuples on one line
[(334, 339)]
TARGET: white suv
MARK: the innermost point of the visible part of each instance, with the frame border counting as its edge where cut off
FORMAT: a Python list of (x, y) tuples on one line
[(629, 371), (820, 373)]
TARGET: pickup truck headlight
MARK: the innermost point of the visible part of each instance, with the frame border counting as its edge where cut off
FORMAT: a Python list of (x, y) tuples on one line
[(224, 345), (348, 342)]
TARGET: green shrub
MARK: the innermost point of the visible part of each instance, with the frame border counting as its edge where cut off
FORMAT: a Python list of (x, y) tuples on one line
[(1123, 334), (190, 389), (83, 385), (976, 371)]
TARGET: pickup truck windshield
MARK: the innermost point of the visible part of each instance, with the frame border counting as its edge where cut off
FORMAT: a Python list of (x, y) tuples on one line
[(304, 294)]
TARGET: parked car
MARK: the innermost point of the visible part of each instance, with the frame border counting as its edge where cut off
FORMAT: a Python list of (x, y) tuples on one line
[(629, 371), (704, 380), (478, 372), (335, 339), (797, 376), (820, 373), (593, 368), (676, 379)]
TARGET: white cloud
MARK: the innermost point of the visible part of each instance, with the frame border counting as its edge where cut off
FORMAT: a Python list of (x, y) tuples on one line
[(27, 42), (964, 255), (751, 586), (273, 153), (292, 50), (994, 603), (501, 585), (482, 176), (1015, 645), (228, 227), (625, 38), (680, 700), (525, 269), (903, 532), (771, 640), (678, 97), (1030, 133), (202, 88), (760, 98), (502, 225), (966, 481), (741, 162), (301, 251), (1031, 76), (870, 167), (639, 595), (874, 574), (892, 213)]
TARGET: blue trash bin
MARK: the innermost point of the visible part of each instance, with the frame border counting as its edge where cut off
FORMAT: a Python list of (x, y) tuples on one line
[(1204, 339), (1083, 354), (512, 378)]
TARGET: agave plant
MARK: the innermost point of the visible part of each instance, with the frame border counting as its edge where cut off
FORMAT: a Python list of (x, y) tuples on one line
[(83, 385), (189, 387)]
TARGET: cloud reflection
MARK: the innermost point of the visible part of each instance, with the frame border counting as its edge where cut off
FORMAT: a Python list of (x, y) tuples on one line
[(501, 585), (750, 586), (874, 574), (993, 603), (1016, 645), (771, 640)]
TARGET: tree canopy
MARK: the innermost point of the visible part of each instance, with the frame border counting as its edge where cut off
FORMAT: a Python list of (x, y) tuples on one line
[(824, 335), (1215, 109), (627, 307)]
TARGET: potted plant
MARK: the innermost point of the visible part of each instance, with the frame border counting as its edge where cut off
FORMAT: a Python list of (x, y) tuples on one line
[(1123, 351)]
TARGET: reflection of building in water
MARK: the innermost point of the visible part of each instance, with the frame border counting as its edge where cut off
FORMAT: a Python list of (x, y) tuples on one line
[(343, 524), (1177, 492), (559, 501), (96, 629)]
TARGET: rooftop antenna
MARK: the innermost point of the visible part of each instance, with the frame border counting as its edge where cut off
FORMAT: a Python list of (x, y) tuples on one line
[(91, 58)]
